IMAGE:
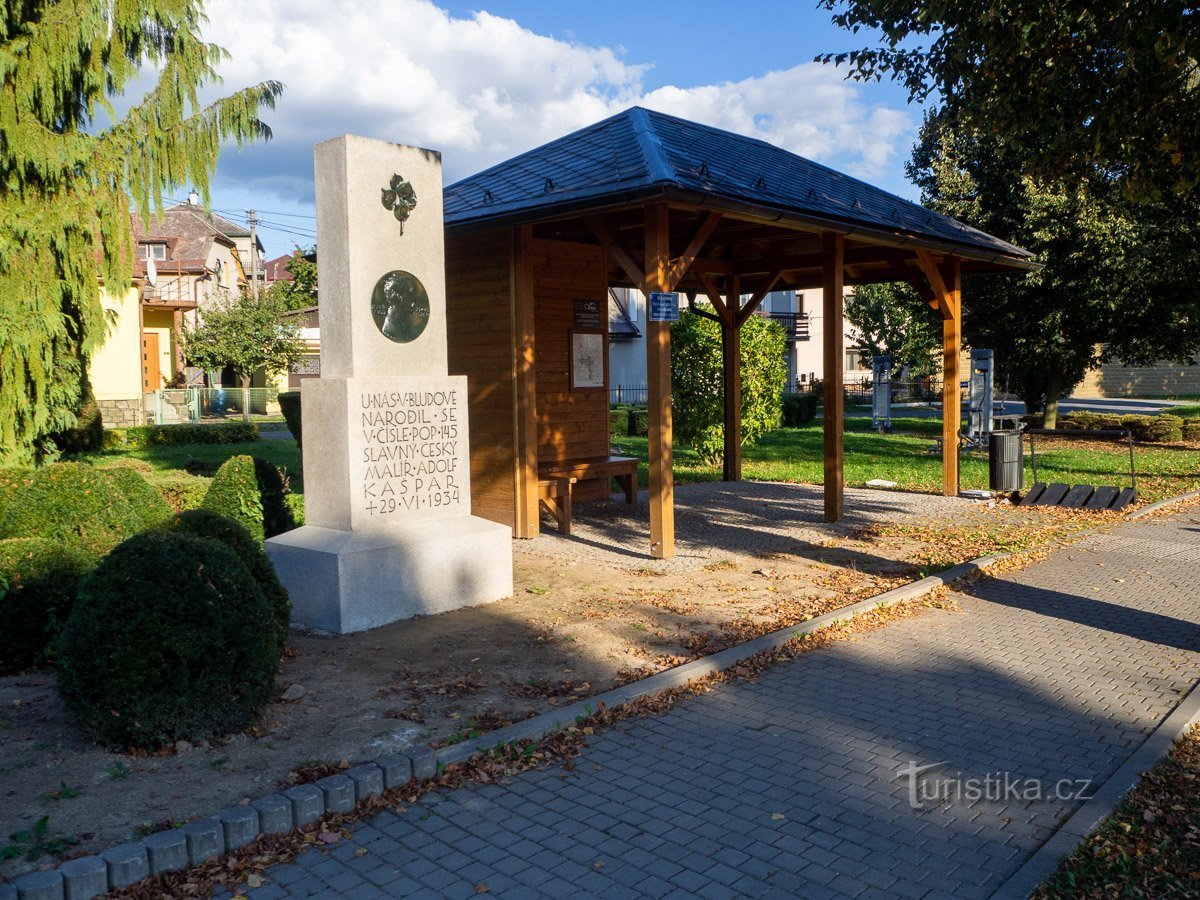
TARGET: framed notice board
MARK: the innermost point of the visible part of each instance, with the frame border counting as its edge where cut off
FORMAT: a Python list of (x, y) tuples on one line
[(588, 359)]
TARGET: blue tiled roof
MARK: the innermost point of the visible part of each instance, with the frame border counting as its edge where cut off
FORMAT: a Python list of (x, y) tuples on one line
[(639, 152)]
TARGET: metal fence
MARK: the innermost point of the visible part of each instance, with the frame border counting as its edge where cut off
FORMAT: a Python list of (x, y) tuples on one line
[(925, 390), (637, 395), (177, 405)]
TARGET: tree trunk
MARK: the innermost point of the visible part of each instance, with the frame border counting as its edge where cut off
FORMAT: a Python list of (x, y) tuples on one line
[(245, 399), (1054, 389)]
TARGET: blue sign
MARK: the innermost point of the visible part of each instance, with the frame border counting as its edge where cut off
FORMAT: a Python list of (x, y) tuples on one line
[(664, 307)]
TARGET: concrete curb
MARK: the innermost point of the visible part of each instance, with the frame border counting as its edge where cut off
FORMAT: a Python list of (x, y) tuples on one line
[(1077, 827), (1161, 504), (205, 838)]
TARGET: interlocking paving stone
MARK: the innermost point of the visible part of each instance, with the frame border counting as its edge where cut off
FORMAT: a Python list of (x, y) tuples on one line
[(791, 784)]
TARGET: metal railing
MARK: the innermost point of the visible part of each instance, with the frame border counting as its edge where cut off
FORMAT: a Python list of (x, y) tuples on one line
[(795, 325), (171, 406), (637, 395), (924, 390)]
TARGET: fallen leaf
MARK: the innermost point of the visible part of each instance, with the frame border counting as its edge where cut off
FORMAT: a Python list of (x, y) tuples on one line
[(254, 881)]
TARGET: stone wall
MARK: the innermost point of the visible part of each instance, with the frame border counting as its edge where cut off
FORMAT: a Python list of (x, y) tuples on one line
[(1161, 380), (120, 413)]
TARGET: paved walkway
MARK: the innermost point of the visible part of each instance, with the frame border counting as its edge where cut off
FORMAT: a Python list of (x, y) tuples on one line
[(790, 785)]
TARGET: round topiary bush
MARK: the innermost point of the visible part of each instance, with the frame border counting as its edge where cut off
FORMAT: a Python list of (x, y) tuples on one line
[(204, 523), (170, 639), (73, 504), (251, 491), (39, 580)]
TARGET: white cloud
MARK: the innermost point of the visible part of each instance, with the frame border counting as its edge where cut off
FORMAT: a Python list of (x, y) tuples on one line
[(482, 89)]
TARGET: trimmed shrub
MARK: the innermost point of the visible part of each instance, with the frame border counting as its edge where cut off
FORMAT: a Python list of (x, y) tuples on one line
[(75, 504), (618, 421), (143, 436), (1191, 430), (234, 494), (204, 523), (1165, 428), (273, 488), (182, 490), (87, 434), (289, 405), (39, 580), (252, 492), (639, 421), (799, 409), (145, 502), (170, 639), (10, 480)]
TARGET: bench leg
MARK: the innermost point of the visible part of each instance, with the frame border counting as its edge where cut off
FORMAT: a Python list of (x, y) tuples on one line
[(564, 501), (560, 508), (628, 485)]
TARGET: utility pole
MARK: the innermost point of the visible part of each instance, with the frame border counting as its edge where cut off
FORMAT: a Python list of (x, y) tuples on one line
[(253, 254)]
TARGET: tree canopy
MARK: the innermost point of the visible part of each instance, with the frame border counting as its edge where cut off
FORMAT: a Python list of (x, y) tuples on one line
[(244, 333), (1114, 284), (67, 180), (891, 320), (1069, 85), (300, 290)]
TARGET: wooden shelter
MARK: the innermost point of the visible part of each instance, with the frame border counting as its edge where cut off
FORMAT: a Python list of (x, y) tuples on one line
[(657, 203)]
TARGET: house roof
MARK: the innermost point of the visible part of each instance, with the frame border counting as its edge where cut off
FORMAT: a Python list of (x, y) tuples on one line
[(188, 231), (640, 154), (277, 268)]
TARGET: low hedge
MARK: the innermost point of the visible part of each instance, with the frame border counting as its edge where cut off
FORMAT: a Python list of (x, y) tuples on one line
[(142, 436), (251, 491), (182, 490), (81, 506), (1162, 428), (618, 421), (289, 405), (170, 639), (798, 410), (39, 580)]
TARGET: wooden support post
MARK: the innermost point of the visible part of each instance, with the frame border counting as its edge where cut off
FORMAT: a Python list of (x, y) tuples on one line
[(833, 251), (658, 378), (525, 386), (951, 376), (731, 370)]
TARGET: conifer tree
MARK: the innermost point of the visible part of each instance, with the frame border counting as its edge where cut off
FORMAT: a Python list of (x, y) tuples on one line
[(68, 180)]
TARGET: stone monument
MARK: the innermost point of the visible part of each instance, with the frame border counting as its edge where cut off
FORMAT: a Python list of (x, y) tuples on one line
[(388, 528)]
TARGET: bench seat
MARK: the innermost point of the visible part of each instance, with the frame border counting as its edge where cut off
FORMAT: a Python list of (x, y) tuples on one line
[(555, 481)]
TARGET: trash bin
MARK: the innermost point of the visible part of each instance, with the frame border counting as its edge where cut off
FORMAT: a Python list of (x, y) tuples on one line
[(1006, 461)]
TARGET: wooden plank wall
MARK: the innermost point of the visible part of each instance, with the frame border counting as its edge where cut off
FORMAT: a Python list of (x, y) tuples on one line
[(479, 333), (571, 424)]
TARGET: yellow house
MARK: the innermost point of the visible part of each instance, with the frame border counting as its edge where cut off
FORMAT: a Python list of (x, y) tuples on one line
[(186, 257)]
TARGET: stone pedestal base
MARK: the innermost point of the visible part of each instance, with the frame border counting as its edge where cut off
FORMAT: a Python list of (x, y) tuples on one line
[(346, 581)]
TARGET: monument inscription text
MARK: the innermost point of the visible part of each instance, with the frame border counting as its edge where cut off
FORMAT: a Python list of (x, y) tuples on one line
[(413, 454)]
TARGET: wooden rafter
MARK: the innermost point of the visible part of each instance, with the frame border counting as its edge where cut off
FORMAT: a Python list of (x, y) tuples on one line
[(616, 248), (680, 265), (757, 297), (933, 274), (715, 298)]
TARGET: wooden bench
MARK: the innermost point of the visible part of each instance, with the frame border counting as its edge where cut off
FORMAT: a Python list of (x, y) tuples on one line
[(555, 482)]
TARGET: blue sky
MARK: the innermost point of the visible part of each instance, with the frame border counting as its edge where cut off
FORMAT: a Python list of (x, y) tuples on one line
[(482, 82)]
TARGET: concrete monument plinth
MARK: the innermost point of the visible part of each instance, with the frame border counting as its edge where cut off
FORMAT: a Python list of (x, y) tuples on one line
[(388, 528)]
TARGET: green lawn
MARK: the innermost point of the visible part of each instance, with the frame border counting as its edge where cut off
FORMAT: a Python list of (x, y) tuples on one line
[(794, 454)]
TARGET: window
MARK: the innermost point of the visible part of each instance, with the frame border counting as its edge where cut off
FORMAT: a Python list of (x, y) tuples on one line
[(855, 361), (153, 251)]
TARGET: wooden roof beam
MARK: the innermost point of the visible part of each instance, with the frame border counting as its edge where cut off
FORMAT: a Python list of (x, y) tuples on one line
[(699, 237), (633, 269)]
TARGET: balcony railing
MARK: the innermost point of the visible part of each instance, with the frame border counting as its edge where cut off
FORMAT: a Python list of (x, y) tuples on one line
[(794, 325)]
